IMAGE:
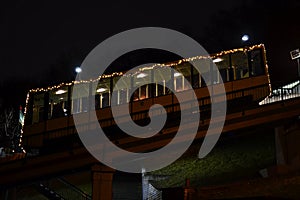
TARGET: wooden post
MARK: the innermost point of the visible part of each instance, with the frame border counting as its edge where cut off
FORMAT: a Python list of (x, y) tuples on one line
[(188, 191), (102, 177)]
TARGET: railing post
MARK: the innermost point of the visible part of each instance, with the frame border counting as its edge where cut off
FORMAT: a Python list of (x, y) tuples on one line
[(188, 191), (281, 146), (281, 93)]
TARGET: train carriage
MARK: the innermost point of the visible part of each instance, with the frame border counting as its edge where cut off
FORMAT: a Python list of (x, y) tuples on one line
[(243, 71)]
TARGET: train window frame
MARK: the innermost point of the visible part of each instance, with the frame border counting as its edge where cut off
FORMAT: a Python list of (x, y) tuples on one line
[(37, 115), (261, 62), (224, 67), (58, 100), (240, 65), (104, 90), (78, 101)]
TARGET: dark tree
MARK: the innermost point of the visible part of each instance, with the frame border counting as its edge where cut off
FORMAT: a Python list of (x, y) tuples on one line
[(10, 129)]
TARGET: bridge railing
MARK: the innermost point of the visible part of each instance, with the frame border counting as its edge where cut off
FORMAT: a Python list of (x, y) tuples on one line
[(281, 92)]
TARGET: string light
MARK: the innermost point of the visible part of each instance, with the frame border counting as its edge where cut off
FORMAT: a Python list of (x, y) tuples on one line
[(170, 64), (213, 56)]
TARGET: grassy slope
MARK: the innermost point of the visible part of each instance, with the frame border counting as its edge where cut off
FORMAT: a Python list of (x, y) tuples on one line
[(234, 159)]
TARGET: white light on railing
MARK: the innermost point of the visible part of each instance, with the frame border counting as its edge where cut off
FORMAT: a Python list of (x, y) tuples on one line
[(291, 85)]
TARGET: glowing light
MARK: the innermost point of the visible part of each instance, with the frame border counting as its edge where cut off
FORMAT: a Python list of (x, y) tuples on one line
[(216, 60), (101, 90), (177, 74), (245, 38), (291, 85), (78, 70), (141, 75), (60, 91)]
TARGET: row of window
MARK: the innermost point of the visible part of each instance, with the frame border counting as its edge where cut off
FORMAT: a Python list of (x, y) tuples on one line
[(58, 103)]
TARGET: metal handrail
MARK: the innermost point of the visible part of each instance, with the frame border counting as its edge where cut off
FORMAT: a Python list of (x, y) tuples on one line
[(48, 192), (75, 189), (62, 189), (283, 92)]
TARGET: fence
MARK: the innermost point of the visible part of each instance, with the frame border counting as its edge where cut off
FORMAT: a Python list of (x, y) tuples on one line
[(283, 92)]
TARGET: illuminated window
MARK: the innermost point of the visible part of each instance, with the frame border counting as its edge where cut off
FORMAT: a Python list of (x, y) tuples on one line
[(257, 63), (183, 74), (121, 96), (58, 102), (240, 66), (38, 107), (141, 89), (223, 65), (80, 100), (103, 93), (162, 79)]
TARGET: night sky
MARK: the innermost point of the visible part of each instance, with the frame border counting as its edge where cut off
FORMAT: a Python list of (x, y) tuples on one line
[(42, 42)]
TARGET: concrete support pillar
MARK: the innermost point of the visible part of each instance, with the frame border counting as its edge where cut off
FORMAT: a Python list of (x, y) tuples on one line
[(281, 146), (102, 178), (9, 194), (14, 194), (4, 194), (287, 149)]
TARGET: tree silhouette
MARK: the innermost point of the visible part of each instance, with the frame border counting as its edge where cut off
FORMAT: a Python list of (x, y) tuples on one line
[(10, 130)]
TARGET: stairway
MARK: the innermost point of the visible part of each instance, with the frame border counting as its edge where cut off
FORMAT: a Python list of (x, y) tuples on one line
[(61, 189), (47, 192)]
